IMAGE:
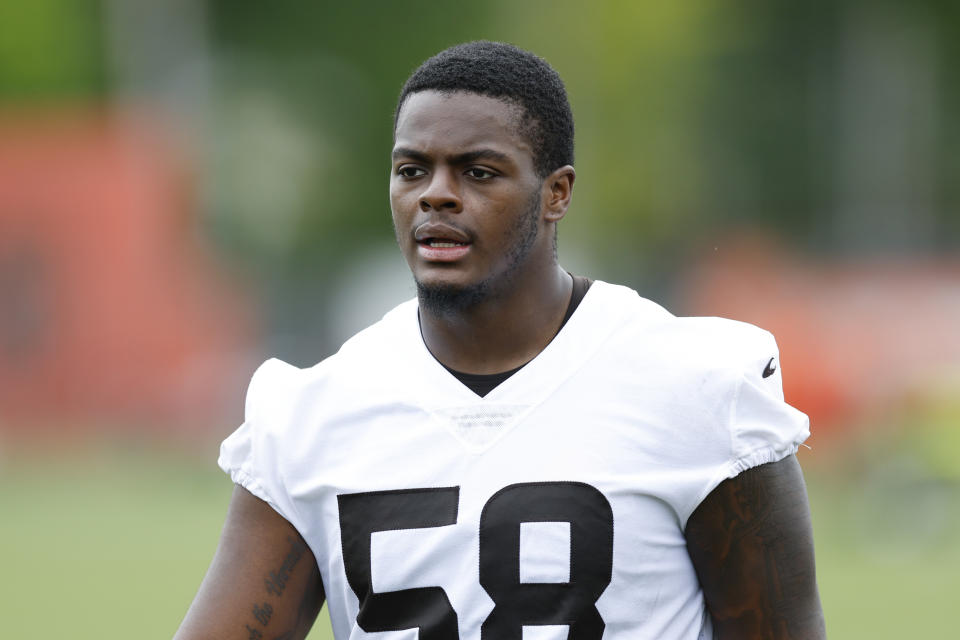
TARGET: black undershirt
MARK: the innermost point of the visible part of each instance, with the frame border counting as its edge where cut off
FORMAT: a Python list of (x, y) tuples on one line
[(483, 383)]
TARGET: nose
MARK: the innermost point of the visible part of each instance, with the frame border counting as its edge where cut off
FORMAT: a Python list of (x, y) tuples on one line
[(441, 193)]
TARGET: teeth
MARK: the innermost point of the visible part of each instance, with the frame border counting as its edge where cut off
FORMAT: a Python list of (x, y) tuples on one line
[(443, 244)]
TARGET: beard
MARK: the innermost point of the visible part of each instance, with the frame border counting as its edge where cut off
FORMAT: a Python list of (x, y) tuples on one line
[(449, 299)]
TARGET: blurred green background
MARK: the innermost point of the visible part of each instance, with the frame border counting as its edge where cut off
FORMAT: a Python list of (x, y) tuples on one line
[(188, 187)]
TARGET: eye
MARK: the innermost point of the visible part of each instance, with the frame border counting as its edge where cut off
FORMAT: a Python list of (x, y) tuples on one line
[(410, 171), (480, 173)]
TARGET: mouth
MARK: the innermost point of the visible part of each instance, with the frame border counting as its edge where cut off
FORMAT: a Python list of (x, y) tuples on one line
[(434, 233), (441, 243), (442, 250)]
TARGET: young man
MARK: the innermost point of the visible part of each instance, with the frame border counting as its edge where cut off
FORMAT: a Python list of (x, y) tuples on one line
[(518, 453)]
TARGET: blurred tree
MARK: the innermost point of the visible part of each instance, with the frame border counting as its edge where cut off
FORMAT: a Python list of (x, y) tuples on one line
[(51, 50), (766, 116), (634, 72)]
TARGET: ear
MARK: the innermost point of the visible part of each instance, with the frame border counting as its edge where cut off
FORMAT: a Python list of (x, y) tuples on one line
[(558, 189)]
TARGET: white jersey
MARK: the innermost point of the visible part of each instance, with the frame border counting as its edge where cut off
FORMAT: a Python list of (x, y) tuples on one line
[(552, 508)]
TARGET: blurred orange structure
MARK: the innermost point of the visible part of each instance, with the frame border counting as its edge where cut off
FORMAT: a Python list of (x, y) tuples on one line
[(111, 309), (856, 338)]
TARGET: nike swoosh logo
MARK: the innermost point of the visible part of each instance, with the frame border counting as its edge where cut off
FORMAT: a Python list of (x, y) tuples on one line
[(769, 369)]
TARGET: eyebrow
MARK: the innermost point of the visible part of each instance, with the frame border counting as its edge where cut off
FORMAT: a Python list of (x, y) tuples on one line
[(460, 158)]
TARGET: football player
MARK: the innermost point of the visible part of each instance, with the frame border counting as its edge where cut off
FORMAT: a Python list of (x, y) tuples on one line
[(517, 453)]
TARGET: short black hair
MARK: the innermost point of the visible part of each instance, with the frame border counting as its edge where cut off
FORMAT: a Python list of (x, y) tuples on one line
[(503, 71)]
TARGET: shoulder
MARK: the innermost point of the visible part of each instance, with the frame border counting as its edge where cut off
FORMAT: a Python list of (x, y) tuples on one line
[(692, 343), (719, 342), (720, 378)]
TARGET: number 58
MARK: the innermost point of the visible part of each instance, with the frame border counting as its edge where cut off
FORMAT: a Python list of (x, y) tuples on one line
[(516, 603)]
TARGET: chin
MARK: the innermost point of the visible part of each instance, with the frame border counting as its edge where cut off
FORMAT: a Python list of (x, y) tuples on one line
[(450, 277), (442, 296)]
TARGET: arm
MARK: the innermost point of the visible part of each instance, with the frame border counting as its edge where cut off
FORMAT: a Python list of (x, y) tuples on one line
[(263, 581), (751, 544)]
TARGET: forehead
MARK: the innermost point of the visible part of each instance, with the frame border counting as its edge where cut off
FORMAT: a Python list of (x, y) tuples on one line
[(434, 121)]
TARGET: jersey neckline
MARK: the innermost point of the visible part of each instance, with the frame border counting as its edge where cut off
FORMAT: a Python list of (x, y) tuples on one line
[(483, 383), (604, 308)]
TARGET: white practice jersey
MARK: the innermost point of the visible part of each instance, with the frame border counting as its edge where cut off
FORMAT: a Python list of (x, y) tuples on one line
[(552, 508)]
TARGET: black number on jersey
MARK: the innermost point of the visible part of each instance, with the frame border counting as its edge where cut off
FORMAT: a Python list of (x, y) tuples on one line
[(363, 513), (516, 604), (591, 559)]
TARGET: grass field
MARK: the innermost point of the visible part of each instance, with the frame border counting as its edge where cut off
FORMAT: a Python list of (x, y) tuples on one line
[(113, 543)]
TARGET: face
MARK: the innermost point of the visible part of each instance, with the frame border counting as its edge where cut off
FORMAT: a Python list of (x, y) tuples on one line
[(465, 196)]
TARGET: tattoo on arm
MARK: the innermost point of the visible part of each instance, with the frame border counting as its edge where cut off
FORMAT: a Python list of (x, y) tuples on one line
[(752, 547), (262, 613), (275, 583)]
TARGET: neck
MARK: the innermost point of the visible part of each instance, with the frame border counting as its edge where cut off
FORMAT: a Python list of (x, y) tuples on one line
[(505, 330)]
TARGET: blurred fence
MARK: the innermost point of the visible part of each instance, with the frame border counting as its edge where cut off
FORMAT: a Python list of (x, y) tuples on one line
[(113, 307)]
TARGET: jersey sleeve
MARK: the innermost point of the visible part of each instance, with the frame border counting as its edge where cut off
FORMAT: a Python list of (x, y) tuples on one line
[(253, 455), (759, 426), (764, 428)]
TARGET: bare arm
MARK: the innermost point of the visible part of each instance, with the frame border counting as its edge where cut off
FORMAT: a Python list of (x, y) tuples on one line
[(263, 581), (751, 544)]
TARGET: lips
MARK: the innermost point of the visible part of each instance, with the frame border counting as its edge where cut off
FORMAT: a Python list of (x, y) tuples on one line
[(438, 233), (439, 242)]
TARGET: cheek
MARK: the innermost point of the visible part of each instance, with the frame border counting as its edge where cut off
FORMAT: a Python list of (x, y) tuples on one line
[(403, 192), (507, 214), (399, 205)]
